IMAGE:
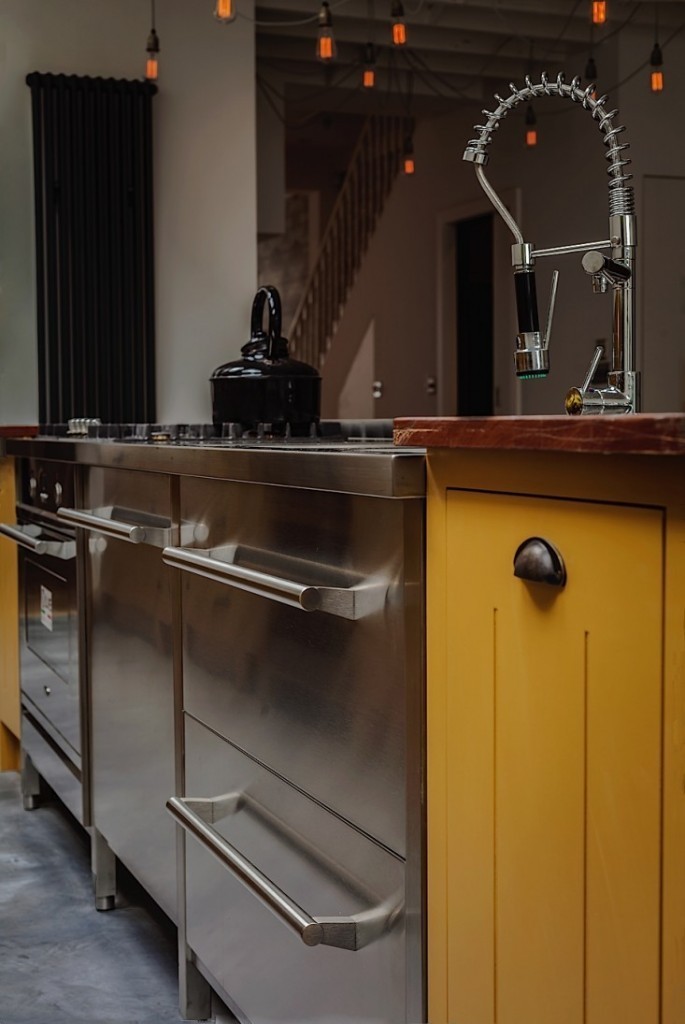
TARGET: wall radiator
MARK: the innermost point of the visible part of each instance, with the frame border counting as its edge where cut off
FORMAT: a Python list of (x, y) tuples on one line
[(372, 171), (92, 142)]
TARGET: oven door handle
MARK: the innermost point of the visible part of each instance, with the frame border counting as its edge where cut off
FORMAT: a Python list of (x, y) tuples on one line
[(196, 817), (90, 520), (345, 602), (23, 536)]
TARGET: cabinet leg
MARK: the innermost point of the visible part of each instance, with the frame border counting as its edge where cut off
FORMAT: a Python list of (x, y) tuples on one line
[(104, 867), (194, 993), (30, 783)]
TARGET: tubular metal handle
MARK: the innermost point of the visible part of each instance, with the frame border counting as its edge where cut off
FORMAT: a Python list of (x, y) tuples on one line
[(343, 932), (538, 561), (25, 540), (88, 520), (23, 536), (345, 602)]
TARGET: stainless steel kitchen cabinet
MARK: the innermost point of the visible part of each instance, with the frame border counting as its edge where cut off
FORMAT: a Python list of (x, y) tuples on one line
[(131, 672)]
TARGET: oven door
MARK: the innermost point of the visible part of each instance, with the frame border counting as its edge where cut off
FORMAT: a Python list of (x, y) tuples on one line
[(49, 629)]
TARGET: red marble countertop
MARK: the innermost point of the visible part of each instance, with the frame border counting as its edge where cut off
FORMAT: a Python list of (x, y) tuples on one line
[(11, 431), (640, 434)]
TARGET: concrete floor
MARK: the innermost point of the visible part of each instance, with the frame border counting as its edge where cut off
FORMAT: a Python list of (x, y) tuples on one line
[(62, 962)]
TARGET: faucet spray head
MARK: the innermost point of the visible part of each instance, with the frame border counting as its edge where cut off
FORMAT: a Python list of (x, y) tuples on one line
[(531, 358)]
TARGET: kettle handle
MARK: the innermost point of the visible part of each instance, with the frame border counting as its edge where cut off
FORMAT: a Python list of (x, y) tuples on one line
[(267, 294)]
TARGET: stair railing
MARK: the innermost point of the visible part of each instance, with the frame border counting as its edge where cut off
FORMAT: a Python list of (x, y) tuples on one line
[(373, 168)]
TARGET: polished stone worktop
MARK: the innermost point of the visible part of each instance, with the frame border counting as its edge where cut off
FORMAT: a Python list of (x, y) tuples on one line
[(7, 430), (640, 434)]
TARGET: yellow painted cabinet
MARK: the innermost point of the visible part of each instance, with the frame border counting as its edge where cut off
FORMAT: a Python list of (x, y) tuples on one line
[(546, 797), (9, 638)]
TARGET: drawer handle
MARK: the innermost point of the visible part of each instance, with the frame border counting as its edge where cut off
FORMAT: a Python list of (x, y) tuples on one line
[(29, 537), (196, 816), (346, 602), (95, 520), (538, 561)]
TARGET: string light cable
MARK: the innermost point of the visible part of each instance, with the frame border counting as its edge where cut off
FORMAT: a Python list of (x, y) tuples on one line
[(560, 112), (309, 20)]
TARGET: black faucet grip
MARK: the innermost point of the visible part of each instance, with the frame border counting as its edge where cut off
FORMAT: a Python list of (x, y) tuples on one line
[(526, 301)]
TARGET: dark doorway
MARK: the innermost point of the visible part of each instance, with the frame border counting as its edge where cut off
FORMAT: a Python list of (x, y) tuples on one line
[(474, 316)]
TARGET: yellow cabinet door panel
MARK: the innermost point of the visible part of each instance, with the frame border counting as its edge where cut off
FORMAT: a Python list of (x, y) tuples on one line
[(553, 779)]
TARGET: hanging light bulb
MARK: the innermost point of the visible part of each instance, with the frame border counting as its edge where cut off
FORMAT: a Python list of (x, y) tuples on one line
[(224, 11), (599, 12), (657, 76), (591, 74), (325, 43), (399, 28), (408, 164), (152, 64), (369, 72), (531, 127), (656, 60)]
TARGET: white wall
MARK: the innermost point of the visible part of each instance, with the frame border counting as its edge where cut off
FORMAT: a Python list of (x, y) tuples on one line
[(563, 188), (205, 194)]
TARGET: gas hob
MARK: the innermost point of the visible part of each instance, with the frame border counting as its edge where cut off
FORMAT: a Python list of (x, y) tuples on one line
[(328, 435)]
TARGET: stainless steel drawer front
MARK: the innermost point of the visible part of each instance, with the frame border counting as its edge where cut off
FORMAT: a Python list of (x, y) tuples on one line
[(264, 969), (131, 679), (327, 701)]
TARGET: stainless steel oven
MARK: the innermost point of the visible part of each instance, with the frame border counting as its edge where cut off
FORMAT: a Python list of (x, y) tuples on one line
[(53, 735)]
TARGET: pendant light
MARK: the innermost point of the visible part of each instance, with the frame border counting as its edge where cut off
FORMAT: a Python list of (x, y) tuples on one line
[(599, 12), (399, 28), (656, 78), (531, 127), (224, 11), (152, 65), (325, 43), (408, 162), (369, 72)]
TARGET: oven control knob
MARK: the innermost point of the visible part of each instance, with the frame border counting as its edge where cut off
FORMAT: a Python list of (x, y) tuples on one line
[(58, 494), (33, 486), (43, 488)]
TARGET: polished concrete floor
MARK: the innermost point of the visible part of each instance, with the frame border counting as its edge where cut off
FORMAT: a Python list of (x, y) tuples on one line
[(62, 962)]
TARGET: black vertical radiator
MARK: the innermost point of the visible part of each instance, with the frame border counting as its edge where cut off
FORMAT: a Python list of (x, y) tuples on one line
[(92, 143)]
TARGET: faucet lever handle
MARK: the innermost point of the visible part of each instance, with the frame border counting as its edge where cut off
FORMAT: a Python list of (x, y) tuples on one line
[(550, 311), (594, 363)]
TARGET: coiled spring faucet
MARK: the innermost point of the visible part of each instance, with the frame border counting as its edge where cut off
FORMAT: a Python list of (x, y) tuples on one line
[(622, 392)]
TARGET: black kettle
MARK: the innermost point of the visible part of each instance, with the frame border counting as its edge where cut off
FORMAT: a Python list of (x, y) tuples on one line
[(266, 387)]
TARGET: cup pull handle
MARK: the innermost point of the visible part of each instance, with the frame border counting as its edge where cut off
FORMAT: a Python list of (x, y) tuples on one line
[(538, 561)]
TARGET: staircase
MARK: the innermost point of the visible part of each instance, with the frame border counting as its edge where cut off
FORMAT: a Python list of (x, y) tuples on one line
[(373, 168)]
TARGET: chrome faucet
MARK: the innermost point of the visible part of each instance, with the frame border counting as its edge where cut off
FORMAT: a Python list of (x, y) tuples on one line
[(531, 359)]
